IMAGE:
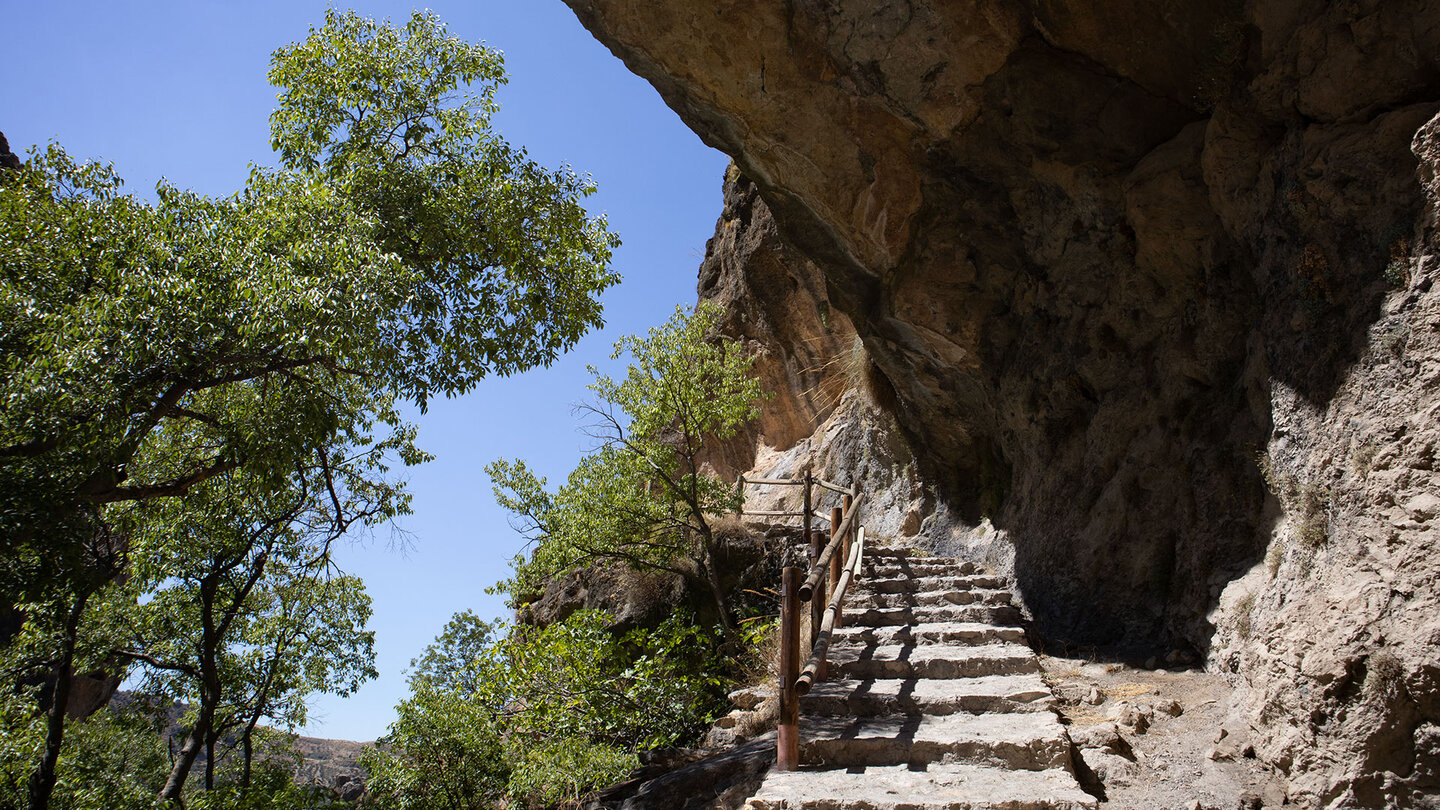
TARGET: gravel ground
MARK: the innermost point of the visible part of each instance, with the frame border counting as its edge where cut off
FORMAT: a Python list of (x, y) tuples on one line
[(1154, 739)]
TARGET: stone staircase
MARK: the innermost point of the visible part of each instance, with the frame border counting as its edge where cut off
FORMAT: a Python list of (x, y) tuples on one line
[(934, 702)]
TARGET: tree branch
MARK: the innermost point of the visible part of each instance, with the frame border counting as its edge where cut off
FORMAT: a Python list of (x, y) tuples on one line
[(172, 488)]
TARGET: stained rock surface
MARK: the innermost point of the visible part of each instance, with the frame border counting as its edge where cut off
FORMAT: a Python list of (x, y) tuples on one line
[(1149, 288)]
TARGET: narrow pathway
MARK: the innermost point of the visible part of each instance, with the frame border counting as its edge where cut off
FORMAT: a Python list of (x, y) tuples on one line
[(934, 702)]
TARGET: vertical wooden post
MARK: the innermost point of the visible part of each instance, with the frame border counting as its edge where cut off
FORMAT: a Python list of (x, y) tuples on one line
[(837, 560), (845, 547), (850, 535), (787, 750), (816, 540), (740, 493), (805, 524)]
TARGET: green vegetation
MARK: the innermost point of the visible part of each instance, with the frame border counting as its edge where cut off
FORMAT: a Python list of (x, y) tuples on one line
[(643, 496), (200, 395), (540, 715)]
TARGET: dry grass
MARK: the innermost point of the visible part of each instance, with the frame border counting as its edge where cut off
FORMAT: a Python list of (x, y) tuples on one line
[(1243, 608), (1274, 556), (1083, 714), (1127, 690)]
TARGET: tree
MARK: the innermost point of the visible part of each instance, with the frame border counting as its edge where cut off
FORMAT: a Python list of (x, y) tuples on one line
[(244, 615), (643, 497), (541, 715), (401, 251)]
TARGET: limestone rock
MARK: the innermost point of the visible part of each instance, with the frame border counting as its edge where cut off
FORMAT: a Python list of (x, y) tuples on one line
[(1104, 253), (1169, 707), (1135, 717), (1423, 506)]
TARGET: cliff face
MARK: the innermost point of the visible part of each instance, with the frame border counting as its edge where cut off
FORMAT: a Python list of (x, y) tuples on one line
[(1147, 284)]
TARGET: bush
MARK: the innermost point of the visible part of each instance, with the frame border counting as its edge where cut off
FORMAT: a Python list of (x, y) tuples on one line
[(542, 715)]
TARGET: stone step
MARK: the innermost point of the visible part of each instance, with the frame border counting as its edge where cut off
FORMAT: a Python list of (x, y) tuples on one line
[(936, 633), (882, 617), (917, 568), (938, 787), (869, 697), (1025, 741), (939, 598), (915, 584), (931, 660), (894, 552)]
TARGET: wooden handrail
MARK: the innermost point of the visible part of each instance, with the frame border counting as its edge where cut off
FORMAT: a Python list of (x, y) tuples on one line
[(819, 569), (779, 482), (844, 523), (832, 612)]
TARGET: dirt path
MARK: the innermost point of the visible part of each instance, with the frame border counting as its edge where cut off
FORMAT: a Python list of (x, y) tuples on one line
[(1151, 739)]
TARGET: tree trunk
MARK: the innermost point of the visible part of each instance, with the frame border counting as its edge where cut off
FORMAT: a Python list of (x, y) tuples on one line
[(42, 779), (717, 591), (247, 738), (189, 752), (247, 747)]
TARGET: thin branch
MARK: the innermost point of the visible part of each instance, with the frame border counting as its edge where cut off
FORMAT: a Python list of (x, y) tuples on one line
[(168, 489), (168, 666), (30, 449)]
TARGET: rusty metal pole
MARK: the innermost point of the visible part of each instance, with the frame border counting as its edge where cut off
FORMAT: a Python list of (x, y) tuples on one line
[(837, 560), (787, 743)]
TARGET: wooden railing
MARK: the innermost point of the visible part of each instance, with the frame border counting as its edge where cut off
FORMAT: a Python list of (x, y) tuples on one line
[(834, 567)]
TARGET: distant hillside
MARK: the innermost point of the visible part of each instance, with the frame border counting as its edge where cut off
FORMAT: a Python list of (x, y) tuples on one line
[(334, 764), (331, 763)]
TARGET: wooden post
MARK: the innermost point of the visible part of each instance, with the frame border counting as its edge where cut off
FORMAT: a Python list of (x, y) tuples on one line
[(816, 541), (845, 544), (740, 493), (837, 560), (805, 524), (787, 743)]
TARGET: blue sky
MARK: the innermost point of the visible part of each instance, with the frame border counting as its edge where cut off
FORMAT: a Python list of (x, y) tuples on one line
[(178, 89)]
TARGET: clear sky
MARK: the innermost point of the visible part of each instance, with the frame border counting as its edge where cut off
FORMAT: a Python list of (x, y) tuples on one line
[(178, 89)]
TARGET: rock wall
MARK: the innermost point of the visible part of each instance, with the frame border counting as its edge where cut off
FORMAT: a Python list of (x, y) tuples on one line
[(832, 410), (1147, 286)]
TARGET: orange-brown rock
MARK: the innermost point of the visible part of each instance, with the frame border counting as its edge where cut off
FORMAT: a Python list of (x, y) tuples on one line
[(1108, 254)]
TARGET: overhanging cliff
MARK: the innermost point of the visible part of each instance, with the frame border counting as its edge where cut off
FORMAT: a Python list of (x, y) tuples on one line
[(1151, 285)]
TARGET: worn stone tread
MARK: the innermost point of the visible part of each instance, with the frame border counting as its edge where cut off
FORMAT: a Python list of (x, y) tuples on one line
[(938, 787), (931, 660), (919, 570), (930, 633), (878, 696), (895, 552), (936, 598), (878, 617), (1024, 741), (908, 584)]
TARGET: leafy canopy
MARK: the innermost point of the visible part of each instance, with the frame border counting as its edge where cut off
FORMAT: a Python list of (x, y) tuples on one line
[(644, 496), (149, 350), (401, 251), (510, 263), (541, 714)]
